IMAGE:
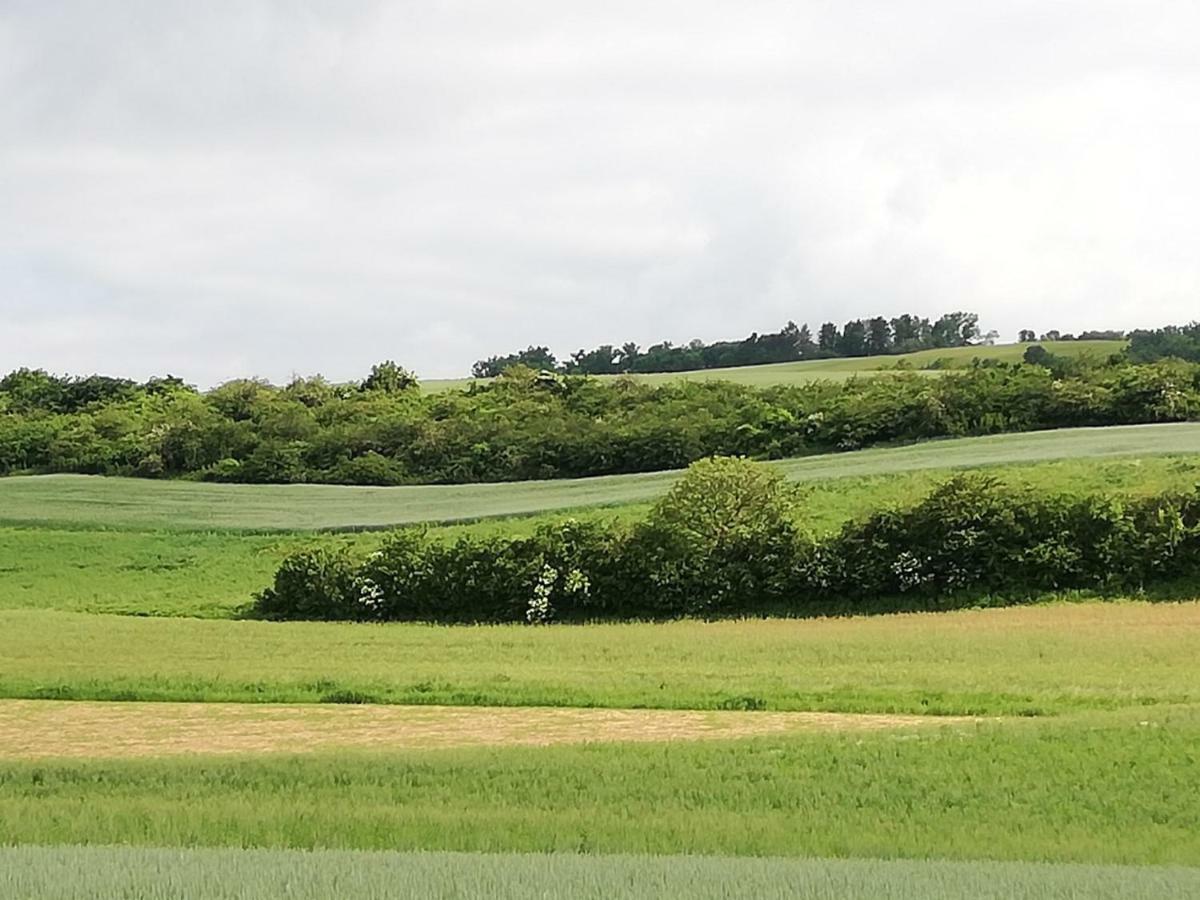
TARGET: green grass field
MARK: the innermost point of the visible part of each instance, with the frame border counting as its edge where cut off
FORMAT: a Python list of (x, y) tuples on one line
[(1077, 778), (35, 873), (150, 570), (1040, 660), (1103, 789), (125, 502), (841, 369)]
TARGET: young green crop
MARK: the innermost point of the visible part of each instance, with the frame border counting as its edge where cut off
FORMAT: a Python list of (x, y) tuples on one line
[(82, 873), (1097, 789)]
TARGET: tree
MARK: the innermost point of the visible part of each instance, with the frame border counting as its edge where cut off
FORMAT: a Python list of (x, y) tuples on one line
[(628, 356), (956, 329), (828, 338), (1051, 335), (879, 336), (533, 357), (1026, 336), (854, 339), (805, 346), (389, 378)]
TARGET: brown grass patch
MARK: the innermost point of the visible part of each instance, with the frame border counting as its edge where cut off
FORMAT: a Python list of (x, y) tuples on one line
[(34, 729)]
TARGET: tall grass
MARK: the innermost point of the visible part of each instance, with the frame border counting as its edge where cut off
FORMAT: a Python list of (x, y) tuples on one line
[(83, 873), (1102, 789), (1019, 661)]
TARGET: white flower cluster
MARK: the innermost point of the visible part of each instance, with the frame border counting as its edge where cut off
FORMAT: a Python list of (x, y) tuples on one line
[(370, 594), (907, 569), (540, 610)]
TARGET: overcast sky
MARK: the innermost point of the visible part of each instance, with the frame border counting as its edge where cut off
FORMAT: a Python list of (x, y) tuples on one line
[(221, 189)]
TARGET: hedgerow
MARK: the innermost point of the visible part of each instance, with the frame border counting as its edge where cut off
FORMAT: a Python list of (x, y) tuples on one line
[(529, 425), (724, 543)]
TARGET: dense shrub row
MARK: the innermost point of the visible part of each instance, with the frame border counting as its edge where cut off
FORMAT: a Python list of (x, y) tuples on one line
[(724, 543), (528, 425)]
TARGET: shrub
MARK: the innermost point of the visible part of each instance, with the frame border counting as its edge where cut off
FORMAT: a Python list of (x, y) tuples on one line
[(723, 542)]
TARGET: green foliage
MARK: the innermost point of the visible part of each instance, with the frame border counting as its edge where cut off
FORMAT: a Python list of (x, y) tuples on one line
[(723, 541), (534, 424), (1174, 341), (314, 584), (389, 378)]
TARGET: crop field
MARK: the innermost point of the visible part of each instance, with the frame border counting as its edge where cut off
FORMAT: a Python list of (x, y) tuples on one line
[(154, 740), (80, 873), (130, 502), (849, 367)]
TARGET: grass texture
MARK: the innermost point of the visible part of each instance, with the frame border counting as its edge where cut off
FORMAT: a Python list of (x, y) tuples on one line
[(1040, 660), (42, 873), (140, 503), (1099, 789)]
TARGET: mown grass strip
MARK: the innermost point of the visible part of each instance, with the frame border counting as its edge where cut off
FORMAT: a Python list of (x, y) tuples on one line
[(82, 873), (47, 729), (1041, 660), (1094, 789)]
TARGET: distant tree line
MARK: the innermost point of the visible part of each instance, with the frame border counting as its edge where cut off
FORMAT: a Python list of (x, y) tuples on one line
[(530, 424), (1028, 335), (858, 337), (728, 540)]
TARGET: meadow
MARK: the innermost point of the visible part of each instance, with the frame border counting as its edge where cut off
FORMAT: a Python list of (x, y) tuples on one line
[(1039, 660)]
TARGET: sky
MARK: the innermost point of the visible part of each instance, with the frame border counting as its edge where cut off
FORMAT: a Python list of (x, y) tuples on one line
[(227, 189)]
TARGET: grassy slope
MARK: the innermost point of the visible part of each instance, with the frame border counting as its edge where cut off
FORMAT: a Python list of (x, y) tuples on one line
[(39, 873), (813, 370), (213, 573), (1034, 660), (119, 502), (1108, 789)]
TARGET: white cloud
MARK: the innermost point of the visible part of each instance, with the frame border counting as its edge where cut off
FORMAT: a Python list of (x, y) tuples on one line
[(234, 188)]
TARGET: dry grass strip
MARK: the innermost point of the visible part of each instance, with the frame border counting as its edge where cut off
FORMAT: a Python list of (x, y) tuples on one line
[(34, 729)]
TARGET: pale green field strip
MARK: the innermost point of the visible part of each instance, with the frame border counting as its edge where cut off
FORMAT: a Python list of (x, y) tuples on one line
[(1019, 661), (46, 729), (84, 873), (839, 369), (125, 502)]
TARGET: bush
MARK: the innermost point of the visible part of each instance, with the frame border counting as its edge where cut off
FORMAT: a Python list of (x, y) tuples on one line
[(316, 584), (723, 542)]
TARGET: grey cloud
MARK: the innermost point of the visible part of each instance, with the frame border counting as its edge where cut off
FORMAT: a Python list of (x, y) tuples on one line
[(248, 187)]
